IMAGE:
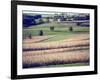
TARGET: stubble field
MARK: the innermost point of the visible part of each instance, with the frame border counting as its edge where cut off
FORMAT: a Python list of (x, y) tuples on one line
[(59, 47)]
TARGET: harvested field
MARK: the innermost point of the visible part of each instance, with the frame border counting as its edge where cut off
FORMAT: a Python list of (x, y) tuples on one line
[(56, 58), (55, 48), (43, 46), (36, 39), (49, 51)]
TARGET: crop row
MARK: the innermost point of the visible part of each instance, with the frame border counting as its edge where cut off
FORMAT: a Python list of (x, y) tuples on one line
[(50, 51), (44, 46), (56, 58)]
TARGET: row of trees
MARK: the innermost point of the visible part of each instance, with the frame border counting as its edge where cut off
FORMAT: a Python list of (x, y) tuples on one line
[(41, 33)]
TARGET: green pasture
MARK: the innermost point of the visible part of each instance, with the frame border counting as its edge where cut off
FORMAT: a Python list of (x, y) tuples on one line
[(60, 32)]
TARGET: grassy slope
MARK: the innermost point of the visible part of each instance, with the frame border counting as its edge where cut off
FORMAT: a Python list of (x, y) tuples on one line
[(60, 32)]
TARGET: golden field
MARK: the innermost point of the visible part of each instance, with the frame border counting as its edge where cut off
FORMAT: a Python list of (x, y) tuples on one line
[(67, 51)]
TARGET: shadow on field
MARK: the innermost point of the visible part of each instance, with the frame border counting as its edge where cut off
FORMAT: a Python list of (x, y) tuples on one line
[(54, 63)]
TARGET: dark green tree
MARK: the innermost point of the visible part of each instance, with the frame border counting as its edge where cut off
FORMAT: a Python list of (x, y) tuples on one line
[(52, 28), (30, 36), (40, 33), (71, 28)]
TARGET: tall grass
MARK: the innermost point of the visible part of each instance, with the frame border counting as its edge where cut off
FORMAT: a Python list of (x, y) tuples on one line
[(56, 58), (50, 51), (66, 51)]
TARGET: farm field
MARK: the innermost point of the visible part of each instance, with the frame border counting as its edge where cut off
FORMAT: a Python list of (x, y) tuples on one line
[(55, 48)]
